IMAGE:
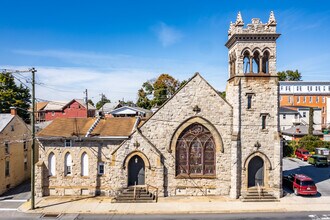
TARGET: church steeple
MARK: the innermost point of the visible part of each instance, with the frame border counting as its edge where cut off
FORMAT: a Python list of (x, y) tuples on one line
[(252, 48)]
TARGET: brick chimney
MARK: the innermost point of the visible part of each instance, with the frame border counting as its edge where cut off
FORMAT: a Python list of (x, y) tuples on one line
[(13, 110)]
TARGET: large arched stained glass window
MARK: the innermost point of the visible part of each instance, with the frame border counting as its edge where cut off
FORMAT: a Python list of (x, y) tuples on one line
[(195, 152)]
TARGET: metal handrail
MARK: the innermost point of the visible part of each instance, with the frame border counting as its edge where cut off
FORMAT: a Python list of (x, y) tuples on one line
[(135, 190), (155, 188)]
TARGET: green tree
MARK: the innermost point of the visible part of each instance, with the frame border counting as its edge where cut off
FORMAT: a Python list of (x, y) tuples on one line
[(156, 91), (310, 142), (127, 103), (289, 148), (103, 100), (222, 94), (164, 87), (311, 121), (143, 100), (13, 95), (289, 75), (90, 102)]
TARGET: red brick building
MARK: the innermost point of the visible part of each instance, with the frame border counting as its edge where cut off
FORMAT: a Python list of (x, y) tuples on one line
[(76, 108)]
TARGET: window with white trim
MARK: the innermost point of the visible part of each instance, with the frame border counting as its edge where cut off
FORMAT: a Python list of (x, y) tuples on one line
[(68, 164), (317, 99), (304, 99), (298, 99), (310, 99), (284, 116), (52, 164), (100, 168), (84, 164), (304, 114), (323, 99)]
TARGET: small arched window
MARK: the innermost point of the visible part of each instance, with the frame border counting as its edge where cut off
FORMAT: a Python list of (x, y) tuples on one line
[(68, 164), (265, 62), (51, 164), (195, 152), (256, 62), (84, 164), (246, 62)]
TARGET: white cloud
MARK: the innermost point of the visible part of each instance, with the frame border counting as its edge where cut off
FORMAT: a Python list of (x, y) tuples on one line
[(167, 35), (117, 76)]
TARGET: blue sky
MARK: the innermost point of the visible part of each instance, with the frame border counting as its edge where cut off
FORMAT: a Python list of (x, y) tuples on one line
[(112, 47)]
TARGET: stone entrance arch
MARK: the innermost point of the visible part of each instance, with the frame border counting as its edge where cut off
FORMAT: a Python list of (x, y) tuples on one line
[(136, 171), (256, 172)]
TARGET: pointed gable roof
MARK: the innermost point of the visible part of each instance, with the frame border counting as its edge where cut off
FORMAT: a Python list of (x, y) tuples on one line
[(195, 76)]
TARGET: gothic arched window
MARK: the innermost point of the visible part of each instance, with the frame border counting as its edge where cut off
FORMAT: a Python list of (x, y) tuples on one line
[(256, 62), (246, 62), (67, 164), (84, 164), (265, 62), (195, 152), (51, 164)]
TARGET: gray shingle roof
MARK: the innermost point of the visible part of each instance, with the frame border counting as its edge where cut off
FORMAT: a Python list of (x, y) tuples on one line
[(299, 130), (4, 120)]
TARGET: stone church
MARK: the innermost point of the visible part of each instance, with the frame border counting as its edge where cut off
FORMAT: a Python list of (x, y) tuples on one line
[(197, 143)]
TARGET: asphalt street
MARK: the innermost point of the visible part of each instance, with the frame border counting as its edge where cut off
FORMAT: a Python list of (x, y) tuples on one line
[(15, 197)]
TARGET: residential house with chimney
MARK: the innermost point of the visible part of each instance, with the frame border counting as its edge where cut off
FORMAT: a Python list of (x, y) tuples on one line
[(15, 151)]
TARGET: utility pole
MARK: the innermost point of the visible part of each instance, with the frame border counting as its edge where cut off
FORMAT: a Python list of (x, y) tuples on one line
[(102, 95), (86, 100), (33, 141)]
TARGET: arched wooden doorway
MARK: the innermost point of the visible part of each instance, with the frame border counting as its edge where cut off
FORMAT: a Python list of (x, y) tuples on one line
[(136, 171), (256, 172)]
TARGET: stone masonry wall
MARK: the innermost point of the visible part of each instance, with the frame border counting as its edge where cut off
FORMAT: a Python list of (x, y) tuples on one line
[(160, 128), (76, 184)]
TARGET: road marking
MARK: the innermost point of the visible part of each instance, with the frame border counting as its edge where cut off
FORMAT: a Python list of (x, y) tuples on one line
[(14, 200), (7, 209)]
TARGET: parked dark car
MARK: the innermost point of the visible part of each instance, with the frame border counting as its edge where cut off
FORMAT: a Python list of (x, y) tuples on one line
[(318, 160)]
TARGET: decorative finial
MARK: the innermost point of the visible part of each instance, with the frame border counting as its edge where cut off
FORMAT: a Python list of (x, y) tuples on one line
[(272, 19), (239, 19)]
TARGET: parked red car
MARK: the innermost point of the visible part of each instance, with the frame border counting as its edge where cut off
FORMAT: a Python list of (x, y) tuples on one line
[(301, 184), (302, 154)]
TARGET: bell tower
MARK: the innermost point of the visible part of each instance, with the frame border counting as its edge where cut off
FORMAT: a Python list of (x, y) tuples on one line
[(252, 90), (252, 49)]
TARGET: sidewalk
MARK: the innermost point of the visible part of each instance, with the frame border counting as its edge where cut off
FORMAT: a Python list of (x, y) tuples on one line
[(177, 205)]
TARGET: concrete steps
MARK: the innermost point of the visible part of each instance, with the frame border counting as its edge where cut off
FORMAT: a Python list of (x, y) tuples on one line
[(261, 195), (142, 196)]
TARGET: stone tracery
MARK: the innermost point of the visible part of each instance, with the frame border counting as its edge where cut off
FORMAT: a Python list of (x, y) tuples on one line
[(195, 152)]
